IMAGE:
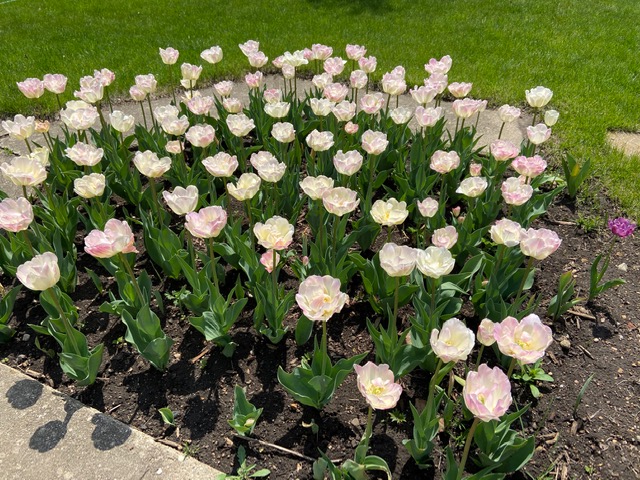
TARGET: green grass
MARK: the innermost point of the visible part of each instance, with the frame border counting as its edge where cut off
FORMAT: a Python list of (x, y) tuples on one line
[(586, 52)]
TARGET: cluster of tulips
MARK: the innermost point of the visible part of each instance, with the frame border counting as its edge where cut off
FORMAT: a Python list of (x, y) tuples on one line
[(306, 182)]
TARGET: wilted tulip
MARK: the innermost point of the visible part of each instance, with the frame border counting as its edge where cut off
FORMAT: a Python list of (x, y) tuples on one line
[(376, 384), (15, 214), (182, 200), (434, 262), (526, 341), (397, 260), (487, 393), (40, 273), (454, 342), (207, 222), (116, 238), (320, 298), (89, 186)]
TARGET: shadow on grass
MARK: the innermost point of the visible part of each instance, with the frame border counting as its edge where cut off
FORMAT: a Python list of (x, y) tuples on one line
[(354, 6)]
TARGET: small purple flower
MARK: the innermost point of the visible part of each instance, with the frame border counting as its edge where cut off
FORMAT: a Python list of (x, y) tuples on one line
[(621, 227)]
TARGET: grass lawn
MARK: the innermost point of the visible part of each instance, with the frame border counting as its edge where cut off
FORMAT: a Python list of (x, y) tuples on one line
[(586, 52)]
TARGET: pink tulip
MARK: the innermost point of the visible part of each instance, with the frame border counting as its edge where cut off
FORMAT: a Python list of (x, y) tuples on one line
[(507, 232), (445, 237), (83, 154), (224, 88), (427, 117), (374, 143), (212, 55), (347, 163), (355, 52), (351, 128), (529, 166), (526, 341), (485, 332), (105, 76), (272, 95), (267, 260), (182, 200), (201, 135), (441, 66), (460, 90), (254, 80), (200, 105), (372, 103), (249, 47), (55, 83), (334, 65), (368, 64), (221, 164), (487, 393), (358, 79), (503, 150), (538, 134), (444, 162), (40, 273), (169, 55), (540, 243), (116, 238), (320, 298), (428, 207), (515, 192), (207, 222), (147, 83), (320, 52), (335, 92), (454, 342), (15, 215), (31, 87), (423, 94), (376, 384)]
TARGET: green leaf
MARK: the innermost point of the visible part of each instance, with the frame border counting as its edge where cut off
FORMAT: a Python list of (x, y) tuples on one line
[(167, 416)]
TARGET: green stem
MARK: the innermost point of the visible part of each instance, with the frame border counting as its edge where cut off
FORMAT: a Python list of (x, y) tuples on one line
[(395, 301), (480, 352), (524, 278), (274, 277), (154, 193), (323, 346), (501, 129), (65, 321), (26, 238), (389, 230), (367, 433), (432, 386), (144, 115), (334, 242), (511, 367), (248, 204), (212, 259), (28, 146), (467, 447), (451, 383), (24, 192), (129, 270), (370, 186)]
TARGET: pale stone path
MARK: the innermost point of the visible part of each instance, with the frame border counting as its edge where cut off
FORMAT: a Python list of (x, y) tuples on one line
[(49, 436), (627, 142), (488, 126)]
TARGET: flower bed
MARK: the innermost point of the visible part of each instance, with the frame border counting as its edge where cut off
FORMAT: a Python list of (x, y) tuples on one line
[(324, 200)]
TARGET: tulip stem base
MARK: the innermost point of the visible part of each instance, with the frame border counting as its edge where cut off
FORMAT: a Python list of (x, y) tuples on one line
[(212, 259), (512, 365), (129, 270), (65, 321), (467, 447), (432, 386)]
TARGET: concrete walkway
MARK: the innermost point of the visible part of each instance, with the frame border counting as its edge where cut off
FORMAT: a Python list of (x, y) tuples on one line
[(50, 436)]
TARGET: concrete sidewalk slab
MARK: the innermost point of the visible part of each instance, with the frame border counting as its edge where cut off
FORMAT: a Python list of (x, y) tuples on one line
[(49, 436)]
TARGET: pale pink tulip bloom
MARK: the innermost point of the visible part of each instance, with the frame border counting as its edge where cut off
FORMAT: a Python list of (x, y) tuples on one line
[(526, 341), (454, 342), (540, 243), (31, 87), (116, 238), (487, 393), (15, 215), (376, 384), (319, 297), (207, 222), (40, 273)]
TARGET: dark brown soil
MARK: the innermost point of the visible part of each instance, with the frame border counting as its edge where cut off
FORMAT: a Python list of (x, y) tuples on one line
[(600, 441)]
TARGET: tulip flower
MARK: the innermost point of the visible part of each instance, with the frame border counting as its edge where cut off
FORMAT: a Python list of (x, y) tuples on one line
[(454, 342), (224, 88), (340, 200), (347, 163), (434, 262), (207, 222), (472, 186), (551, 117), (21, 128), (525, 341), (169, 55), (376, 384), (277, 109), (239, 124), (428, 207), (444, 162), (201, 135), (15, 215), (150, 165), (319, 297), (441, 66), (397, 260), (515, 191), (390, 212), (283, 132), (212, 55), (540, 243), (40, 273), (221, 164), (116, 238), (487, 393), (83, 154), (31, 87), (247, 186), (90, 186), (24, 172), (315, 187), (182, 200), (530, 167), (621, 227), (538, 97), (233, 105), (506, 232), (55, 83), (445, 237), (276, 233)]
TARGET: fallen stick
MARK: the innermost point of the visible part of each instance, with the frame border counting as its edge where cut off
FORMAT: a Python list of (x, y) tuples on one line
[(586, 352), (580, 314), (282, 449), (206, 350)]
